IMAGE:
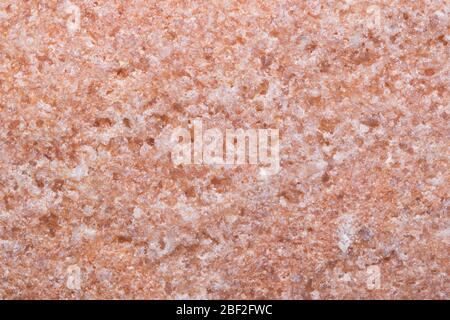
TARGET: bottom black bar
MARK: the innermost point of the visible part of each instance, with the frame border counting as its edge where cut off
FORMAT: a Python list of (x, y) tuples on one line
[(222, 309)]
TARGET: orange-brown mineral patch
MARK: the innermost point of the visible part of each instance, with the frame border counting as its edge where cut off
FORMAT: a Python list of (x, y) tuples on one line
[(92, 206)]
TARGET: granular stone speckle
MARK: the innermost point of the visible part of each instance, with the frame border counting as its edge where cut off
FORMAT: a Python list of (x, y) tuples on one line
[(92, 207)]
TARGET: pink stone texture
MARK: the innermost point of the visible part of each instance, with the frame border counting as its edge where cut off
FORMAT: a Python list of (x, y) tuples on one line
[(92, 206)]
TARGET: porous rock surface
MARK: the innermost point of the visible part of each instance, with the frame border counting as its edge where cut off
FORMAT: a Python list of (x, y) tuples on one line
[(91, 205)]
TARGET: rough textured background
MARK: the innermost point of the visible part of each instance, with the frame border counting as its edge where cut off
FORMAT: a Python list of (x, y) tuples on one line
[(358, 89)]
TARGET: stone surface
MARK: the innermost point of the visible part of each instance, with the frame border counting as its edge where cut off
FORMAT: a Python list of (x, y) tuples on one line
[(91, 205)]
